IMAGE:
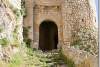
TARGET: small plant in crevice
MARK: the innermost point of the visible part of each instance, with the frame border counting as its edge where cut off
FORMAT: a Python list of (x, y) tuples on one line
[(17, 11), (4, 42), (15, 40), (27, 40), (1, 28), (23, 10)]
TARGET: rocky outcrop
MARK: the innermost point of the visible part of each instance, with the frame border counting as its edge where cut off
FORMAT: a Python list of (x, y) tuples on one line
[(79, 57), (10, 25)]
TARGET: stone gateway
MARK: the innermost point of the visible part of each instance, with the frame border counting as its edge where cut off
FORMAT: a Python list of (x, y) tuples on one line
[(53, 22), (48, 35)]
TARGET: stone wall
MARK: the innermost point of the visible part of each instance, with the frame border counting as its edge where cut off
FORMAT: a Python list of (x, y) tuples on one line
[(39, 11), (77, 14), (79, 30), (71, 16), (75, 19), (28, 19), (28, 22)]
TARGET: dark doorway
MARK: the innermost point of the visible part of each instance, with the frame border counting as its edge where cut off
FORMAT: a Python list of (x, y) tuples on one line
[(48, 36)]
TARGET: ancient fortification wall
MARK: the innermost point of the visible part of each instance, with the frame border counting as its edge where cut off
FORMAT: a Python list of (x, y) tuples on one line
[(77, 14), (71, 16), (79, 17), (76, 21)]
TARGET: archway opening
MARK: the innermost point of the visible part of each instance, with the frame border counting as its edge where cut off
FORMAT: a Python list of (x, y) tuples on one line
[(48, 36)]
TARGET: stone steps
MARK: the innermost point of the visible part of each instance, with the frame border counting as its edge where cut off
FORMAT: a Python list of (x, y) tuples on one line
[(52, 59), (56, 59)]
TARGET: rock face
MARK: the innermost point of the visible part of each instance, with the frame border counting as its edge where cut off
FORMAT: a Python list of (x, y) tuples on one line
[(10, 24), (81, 58)]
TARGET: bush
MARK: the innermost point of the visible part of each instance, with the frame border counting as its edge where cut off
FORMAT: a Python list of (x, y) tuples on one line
[(4, 41), (15, 40), (69, 62), (23, 11), (27, 40), (15, 61), (1, 28)]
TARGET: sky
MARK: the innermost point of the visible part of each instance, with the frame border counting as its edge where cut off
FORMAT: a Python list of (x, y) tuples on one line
[(96, 2)]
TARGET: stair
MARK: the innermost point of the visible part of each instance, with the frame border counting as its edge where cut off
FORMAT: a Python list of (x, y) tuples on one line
[(45, 59), (54, 59)]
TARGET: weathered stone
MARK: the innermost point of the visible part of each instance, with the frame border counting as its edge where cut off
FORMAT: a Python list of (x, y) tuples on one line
[(8, 23), (80, 57), (68, 15)]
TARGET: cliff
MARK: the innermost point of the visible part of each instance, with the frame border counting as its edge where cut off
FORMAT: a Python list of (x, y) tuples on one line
[(10, 27)]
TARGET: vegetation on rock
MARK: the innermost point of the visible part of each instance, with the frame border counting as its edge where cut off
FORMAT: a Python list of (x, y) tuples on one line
[(27, 40), (1, 28), (86, 39), (35, 58), (4, 42)]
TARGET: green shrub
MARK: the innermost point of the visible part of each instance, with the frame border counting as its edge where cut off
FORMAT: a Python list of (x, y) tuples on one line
[(1, 29), (23, 10), (15, 40), (15, 61), (4, 41), (27, 40), (69, 62), (17, 13)]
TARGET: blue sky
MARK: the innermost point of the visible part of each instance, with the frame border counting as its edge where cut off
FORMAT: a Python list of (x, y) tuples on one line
[(96, 2)]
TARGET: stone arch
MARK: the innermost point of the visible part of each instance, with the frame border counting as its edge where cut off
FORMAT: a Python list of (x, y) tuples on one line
[(48, 35)]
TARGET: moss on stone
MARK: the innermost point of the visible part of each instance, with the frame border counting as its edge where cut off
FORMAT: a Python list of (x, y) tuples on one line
[(1, 30)]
